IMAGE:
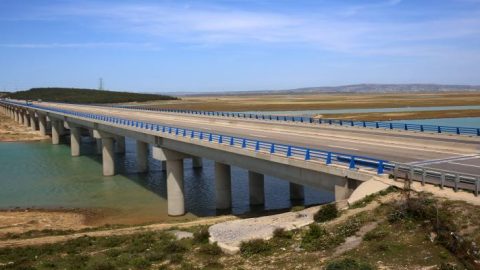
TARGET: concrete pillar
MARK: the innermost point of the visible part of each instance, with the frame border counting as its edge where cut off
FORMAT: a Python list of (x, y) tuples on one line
[(142, 156), (344, 187), (108, 156), (26, 119), (75, 140), (20, 118), (197, 162), (98, 143), (296, 192), (42, 124), (55, 132), (223, 186), (120, 144), (256, 187), (164, 165), (175, 194), (33, 121), (16, 116)]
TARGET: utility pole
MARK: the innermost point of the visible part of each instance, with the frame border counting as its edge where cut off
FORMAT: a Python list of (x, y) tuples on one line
[(100, 84)]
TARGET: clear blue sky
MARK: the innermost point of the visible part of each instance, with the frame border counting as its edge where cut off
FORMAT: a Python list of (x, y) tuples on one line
[(237, 44)]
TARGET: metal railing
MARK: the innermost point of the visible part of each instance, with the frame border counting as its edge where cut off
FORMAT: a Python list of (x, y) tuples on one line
[(467, 131), (290, 151), (441, 178)]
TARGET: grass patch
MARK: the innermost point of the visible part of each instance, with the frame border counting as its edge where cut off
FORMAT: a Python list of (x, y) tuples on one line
[(210, 249), (348, 264), (326, 213), (281, 233), (370, 198), (255, 247), (201, 235)]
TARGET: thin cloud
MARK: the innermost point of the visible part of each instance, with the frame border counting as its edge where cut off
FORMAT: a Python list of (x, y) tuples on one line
[(88, 45)]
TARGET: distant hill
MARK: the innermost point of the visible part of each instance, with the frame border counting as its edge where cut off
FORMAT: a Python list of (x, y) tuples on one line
[(77, 95), (354, 88)]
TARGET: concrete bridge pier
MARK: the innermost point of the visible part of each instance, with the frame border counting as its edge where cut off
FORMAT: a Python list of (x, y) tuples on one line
[(26, 119), (256, 188), (223, 186), (22, 117), (345, 187), (142, 156), (197, 162), (42, 124), (75, 140), (175, 189), (297, 192), (33, 121), (120, 144), (108, 151), (55, 131)]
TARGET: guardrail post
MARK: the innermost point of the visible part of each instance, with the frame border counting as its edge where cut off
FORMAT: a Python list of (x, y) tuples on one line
[(458, 131), (232, 141), (244, 143), (289, 151), (442, 180), (272, 148), (192, 134), (307, 154), (201, 135), (257, 146), (352, 163), (184, 133), (406, 126), (380, 167), (329, 158), (421, 128), (210, 137), (439, 129), (395, 172), (376, 125), (176, 131), (478, 131), (220, 139)]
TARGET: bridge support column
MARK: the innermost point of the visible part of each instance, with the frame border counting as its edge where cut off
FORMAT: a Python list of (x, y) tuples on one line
[(197, 162), (98, 143), (120, 144), (345, 188), (297, 192), (256, 186), (42, 124), (175, 192), (176, 199), (33, 121), (142, 156), (75, 140), (108, 156), (223, 186), (26, 119), (55, 132)]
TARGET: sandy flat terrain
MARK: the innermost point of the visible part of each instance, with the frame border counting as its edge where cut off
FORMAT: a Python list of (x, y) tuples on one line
[(11, 131)]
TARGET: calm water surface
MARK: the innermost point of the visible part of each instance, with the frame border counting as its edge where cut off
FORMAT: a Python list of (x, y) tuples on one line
[(42, 175)]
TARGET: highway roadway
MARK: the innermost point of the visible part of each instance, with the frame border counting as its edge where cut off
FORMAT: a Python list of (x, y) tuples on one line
[(447, 152)]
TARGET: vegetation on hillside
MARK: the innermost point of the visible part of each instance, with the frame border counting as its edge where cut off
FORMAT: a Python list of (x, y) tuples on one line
[(77, 95)]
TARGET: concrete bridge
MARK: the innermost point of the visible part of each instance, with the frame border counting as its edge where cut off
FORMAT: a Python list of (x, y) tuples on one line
[(288, 151)]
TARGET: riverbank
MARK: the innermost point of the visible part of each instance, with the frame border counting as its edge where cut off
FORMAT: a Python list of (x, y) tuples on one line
[(404, 230), (11, 131)]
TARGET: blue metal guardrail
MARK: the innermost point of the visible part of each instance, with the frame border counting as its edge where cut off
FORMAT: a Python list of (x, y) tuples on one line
[(308, 154), (469, 131)]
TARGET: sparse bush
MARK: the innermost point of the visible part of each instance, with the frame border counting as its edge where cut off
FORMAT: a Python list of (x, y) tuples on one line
[(375, 235), (201, 236), (282, 233), (210, 249), (256, 246), (174, 247), (348, 264), (326, 213)]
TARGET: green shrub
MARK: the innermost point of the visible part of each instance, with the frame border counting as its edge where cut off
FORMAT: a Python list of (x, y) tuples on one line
[(313, 238), (210, 249), (348, 264), (326, 213), (174, 247), (256, 246), (201, 236), (376, 234), (282, 233)]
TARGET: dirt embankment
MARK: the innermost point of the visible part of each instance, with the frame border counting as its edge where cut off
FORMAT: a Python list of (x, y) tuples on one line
[(11, 131)]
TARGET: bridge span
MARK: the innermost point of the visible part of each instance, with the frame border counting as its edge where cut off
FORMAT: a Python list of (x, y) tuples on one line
[(329, 157)]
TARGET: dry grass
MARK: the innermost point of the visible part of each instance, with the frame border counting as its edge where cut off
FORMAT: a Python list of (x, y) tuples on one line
[(320, 101)]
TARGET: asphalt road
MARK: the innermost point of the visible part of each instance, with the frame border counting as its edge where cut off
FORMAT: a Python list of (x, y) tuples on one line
[(447, 152)]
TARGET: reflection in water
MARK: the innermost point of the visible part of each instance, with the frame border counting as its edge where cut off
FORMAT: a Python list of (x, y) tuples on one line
[(42, 175)]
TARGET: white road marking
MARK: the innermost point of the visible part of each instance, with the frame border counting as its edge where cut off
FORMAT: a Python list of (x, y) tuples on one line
[(442, 160), (257, 135)]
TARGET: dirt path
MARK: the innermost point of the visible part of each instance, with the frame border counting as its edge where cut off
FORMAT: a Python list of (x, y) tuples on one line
[(103, 233)]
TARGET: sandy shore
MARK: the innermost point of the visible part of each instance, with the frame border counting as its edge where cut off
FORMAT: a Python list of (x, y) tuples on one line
[(11, 131)]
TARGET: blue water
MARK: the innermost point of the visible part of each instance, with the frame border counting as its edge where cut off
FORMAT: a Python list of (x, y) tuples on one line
[(41, 175)]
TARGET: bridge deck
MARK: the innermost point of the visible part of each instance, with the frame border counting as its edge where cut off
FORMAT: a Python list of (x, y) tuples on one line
[(447, 152)]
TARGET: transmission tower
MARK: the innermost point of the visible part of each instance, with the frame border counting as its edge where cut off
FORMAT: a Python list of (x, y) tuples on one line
[(100, 84)]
